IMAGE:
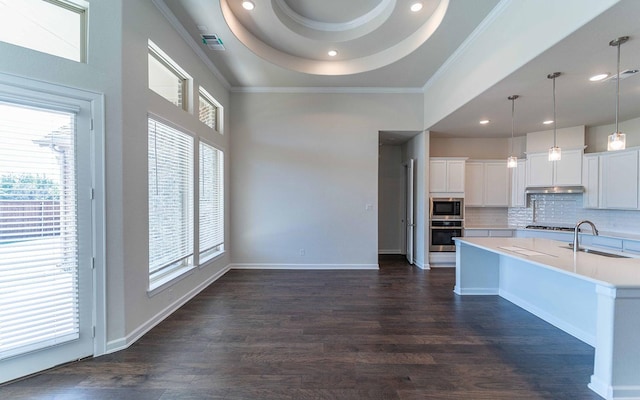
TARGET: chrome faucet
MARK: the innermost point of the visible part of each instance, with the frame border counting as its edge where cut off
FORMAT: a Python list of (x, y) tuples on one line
[(576, 243)]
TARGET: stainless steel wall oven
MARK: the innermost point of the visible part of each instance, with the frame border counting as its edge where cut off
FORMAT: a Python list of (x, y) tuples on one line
[(442, 234)]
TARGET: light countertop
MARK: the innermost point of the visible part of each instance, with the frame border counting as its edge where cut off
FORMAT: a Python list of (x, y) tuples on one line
[(614, 272)]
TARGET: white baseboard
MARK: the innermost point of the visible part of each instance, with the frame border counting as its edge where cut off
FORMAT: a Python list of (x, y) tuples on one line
[(614, 392), (125, 342), (390, 251), (304, 266), (476, 291)]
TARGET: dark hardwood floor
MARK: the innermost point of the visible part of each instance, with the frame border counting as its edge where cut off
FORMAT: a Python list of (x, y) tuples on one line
[(396, 333)]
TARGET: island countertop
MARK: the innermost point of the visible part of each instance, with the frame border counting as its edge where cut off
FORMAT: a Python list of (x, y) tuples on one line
[(607, 271)]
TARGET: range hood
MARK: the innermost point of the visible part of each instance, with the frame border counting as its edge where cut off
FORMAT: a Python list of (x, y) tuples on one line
[(554, 189)]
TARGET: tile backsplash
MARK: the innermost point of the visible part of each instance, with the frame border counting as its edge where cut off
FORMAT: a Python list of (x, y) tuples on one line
[(478, 217), (566, 210)]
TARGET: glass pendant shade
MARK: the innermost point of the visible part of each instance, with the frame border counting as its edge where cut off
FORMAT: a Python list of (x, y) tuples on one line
[(616, 141), (512, 162), (555, 154)]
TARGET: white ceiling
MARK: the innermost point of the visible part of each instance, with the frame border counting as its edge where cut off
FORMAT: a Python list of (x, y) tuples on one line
[(382, 46)]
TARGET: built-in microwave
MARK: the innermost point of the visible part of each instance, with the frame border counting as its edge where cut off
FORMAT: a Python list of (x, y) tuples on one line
[(446, 208)]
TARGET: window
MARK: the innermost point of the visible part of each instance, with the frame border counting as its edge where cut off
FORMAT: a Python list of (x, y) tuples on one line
[(170, 200), (166, 78), (209, 111), (211, 201), (51, 26)]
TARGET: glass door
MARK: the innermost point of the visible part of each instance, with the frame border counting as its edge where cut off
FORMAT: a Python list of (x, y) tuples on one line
[(46, 277)]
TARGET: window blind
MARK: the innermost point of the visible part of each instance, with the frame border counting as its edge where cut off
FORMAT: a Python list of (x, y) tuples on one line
[(208, 112), (38, 235), (211, 203), (170, 199)]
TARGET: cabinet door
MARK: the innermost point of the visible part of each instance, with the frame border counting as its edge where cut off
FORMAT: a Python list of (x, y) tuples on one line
[(474, 184), (496, 184), (568, 170), (590, 178), (619, 180), (518, 185), (438, 176), (455, 176), (539, 170)]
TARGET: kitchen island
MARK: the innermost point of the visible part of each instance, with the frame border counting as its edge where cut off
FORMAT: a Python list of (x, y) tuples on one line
[(592, 297)]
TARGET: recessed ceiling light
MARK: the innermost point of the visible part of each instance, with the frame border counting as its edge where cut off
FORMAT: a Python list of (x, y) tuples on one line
[(484, 121), (548, 122), (248, 5), (332, 53), (415, 7), (598, 77)]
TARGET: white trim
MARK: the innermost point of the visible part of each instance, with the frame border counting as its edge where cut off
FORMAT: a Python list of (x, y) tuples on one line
[(332, 90), (173, 21), (141, 330), (390, 251), (476, 291), (305, 266), (466, 44), (46, 91)]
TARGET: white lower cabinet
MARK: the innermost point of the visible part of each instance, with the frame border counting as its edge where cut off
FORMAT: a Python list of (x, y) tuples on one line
[(486, 184), (488, 232)]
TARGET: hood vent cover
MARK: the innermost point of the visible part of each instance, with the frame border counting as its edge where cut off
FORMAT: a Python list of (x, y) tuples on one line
[(554, 189)]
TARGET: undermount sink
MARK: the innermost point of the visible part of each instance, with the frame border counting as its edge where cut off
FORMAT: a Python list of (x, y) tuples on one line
[(597, 252)]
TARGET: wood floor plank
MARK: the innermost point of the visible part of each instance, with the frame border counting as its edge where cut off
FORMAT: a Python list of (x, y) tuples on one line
[(394, 334)]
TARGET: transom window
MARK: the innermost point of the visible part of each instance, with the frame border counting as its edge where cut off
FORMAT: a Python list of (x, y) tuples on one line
[(50, 26), (166, 78), (210, 111)]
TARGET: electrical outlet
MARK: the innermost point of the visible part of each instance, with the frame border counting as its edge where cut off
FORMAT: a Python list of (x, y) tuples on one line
[(302, 252)]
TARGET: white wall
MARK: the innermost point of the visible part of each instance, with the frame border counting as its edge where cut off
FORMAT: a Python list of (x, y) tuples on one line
[(391, 197), (305, 167), (474, 148), (143, 21)]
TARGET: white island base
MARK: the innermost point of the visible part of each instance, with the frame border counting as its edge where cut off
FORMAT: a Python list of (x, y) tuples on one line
[(592, 297)]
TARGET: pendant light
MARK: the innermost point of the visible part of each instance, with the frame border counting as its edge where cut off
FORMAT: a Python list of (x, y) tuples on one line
[(617, 140), (555, 153), (512, 161)]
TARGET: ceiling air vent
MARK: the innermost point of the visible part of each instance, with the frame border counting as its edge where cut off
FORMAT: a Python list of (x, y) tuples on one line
[(623, 74), (213, 42)]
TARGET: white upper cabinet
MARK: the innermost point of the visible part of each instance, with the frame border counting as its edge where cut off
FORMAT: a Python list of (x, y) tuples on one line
[(474, 184), (618, 180), (518, 185), (446, 175), (591, 181), (539, 170), (565, 172), (568, 170), (487, 184)]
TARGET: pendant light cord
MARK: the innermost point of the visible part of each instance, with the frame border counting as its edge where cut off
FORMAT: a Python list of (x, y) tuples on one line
[(618, 88), (554, 112)]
